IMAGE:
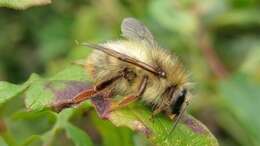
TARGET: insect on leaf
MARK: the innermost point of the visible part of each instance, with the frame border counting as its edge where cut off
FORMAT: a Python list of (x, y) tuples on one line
[(66, 84)]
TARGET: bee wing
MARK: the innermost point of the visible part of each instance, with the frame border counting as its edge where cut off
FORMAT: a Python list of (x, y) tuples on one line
[(133, 29)]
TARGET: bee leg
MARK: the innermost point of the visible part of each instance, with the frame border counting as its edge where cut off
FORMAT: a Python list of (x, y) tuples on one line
[(154, 113), (128, 99), (84, 95), (87, 94)]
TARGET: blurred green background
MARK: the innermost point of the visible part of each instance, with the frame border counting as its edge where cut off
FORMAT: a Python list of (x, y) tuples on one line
[(217, 40)]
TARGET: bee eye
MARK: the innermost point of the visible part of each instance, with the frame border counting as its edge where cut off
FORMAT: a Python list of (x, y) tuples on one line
[(176, 105), (162, 73)]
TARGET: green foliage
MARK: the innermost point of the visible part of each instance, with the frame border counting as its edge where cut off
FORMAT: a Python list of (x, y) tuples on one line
[(9, 90), (23, 4), (104, 127), (2, 142), (233, 93), (42, 93), (78, 136), (42, 39), (189, 131), (174, 20)]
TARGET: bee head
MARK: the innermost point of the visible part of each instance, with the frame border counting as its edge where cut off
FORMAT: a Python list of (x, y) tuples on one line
[(177, 103), (177, 108)]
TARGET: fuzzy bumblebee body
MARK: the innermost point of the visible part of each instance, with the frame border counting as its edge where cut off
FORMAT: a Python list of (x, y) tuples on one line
[(166, 86)]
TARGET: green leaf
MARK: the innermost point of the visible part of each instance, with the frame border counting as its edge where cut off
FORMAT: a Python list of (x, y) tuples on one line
[(64, 85), (169, 16), (79, 137), (22, 4), (242, 18), (49, 47), (74, 72), (62, 120), (2, 142), (63, 117), (49, 94), (252, 60), (9, 90), (106, 128), (188, 132), (240, 96), (38, 97), (31, 139)]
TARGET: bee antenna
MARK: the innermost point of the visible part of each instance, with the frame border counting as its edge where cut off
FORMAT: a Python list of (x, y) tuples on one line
[(176, 122)]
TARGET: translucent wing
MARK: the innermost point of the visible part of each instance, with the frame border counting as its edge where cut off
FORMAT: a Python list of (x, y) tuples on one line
[(135, 30)]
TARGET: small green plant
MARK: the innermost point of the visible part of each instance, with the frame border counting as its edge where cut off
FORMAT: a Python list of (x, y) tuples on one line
[(217, 40)]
